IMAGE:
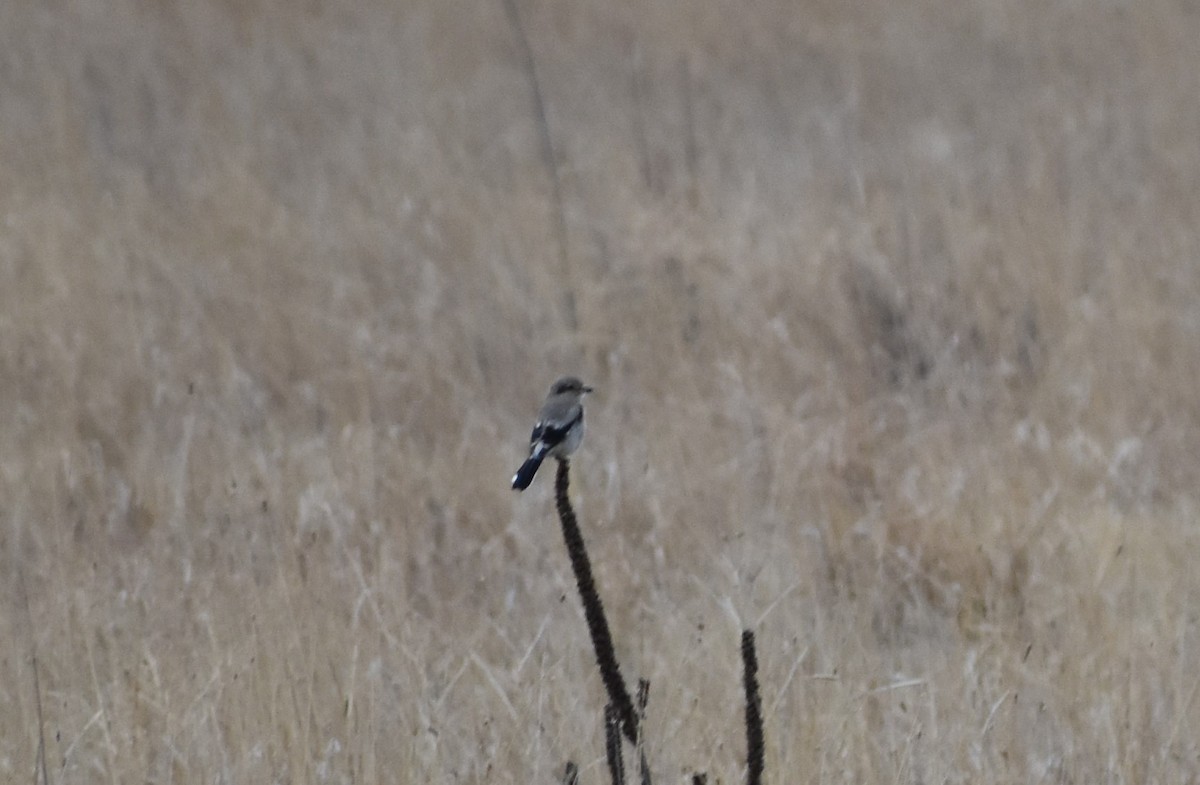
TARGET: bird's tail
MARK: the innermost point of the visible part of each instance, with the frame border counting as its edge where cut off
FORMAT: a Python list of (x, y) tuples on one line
[(524, 475)]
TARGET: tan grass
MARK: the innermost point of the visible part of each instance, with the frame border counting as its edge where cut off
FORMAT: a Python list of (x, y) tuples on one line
[(894, 315)]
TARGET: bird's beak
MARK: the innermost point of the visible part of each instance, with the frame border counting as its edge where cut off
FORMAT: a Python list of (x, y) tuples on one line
[(587, 389)]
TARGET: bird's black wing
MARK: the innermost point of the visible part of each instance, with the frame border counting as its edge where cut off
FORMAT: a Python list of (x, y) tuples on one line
[(551, 434)]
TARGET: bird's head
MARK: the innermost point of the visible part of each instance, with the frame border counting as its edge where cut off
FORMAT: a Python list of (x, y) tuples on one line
[(569, 384)]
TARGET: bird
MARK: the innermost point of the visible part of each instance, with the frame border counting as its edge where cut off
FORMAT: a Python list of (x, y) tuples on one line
[(559, 428)]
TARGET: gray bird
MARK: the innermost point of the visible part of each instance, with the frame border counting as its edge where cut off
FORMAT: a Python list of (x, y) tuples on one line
[(559, 428)]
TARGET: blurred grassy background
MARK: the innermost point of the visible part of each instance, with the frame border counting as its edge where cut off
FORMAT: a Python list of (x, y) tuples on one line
[(893, 311)]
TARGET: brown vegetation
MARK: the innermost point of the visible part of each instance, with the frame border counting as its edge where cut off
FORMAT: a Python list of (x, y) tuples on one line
[(893, 310)]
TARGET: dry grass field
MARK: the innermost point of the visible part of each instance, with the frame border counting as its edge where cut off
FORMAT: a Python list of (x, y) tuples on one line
[(893, 310)]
